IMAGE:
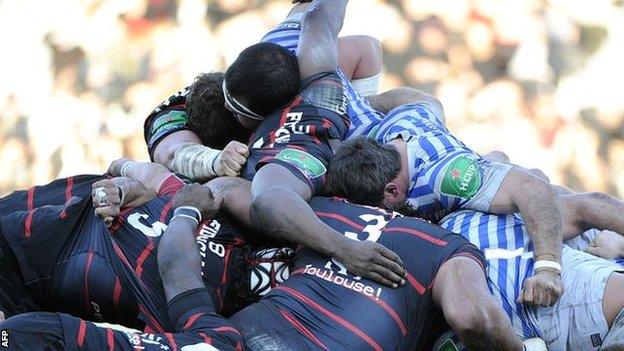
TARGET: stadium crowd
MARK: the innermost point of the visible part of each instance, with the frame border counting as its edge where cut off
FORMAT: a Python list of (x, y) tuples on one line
[(332, 215), (536, 79)]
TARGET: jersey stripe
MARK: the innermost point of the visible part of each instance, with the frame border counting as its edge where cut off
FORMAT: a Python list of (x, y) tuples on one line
[(86, 281), (417, 233), (68, 195), (332, 316), (117, 296), (414, 283), (192, 320), (340, 218), (144, 255), (301, 328), (391, 312), (172, 342), (506, 273), (110, 339), (82, 332)]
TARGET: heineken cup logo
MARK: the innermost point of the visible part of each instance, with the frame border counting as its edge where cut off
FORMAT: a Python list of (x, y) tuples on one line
[(462, 177)]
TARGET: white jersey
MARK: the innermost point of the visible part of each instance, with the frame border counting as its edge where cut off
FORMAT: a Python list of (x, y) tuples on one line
[(509, 257), (361, 114), (445, 175)]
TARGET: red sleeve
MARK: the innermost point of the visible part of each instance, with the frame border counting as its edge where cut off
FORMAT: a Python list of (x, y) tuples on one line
[(170, 186)]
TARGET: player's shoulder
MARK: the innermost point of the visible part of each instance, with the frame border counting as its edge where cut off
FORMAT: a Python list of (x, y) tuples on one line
[(325, 90), (416, 224), (167, 117), (337, 206)]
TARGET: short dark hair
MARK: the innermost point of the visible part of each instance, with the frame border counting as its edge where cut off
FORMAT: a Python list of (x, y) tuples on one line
[(266, 76), (207, 116), (361, 169)]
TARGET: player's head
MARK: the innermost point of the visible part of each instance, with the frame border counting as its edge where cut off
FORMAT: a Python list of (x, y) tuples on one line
[(366, 172), (263, 78), (207, 116)]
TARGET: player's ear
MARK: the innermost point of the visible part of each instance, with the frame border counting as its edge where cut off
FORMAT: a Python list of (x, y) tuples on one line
[(391, 195)]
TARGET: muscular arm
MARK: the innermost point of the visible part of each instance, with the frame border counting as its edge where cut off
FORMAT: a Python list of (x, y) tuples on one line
[(164, 152), (461, 291), (391, 99), (151, 175), (537, 203), (279, 208), (179, 262), (318, 44)]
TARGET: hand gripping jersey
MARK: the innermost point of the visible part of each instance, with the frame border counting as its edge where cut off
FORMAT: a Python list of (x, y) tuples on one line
[(71, 262), (445, 174), (509, 257), (362, 116), (299, 136), (324, 307)]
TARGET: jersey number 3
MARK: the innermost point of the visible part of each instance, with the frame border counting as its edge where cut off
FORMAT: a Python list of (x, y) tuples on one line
[(373, 230)]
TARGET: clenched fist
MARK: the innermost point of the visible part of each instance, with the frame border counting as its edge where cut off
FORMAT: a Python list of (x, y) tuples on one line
[(200, 197), (232, 159), (544, 288)]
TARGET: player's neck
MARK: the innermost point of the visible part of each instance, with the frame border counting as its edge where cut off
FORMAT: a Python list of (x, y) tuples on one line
[(401, 147)]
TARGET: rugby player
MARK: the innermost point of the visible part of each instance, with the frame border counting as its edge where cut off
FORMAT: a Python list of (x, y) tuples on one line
[(176, 129), (189, 305), (293, 145), (590, 312), (66, 259), (323, 306)]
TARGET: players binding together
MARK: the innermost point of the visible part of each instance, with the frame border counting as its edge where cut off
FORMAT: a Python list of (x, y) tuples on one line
[(329, 217)]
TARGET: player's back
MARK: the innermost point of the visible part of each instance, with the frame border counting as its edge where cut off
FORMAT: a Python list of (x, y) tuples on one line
[(332, 309), (72, 262)]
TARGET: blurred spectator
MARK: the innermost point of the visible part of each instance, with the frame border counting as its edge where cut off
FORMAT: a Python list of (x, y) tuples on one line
[(538, 80)]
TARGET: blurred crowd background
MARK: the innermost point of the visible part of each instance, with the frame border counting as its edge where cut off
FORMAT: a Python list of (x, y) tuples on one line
[(540, 80)]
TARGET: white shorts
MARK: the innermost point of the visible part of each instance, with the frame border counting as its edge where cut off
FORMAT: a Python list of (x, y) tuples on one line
[(615, 336), (582, 242), (577, 321)]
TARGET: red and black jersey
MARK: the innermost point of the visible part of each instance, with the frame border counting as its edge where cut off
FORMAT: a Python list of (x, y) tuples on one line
[(71, 262), (328, 308), (169, 117), (298, 136), (197, 327)]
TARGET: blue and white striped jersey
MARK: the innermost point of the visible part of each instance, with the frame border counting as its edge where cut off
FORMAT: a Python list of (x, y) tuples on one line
[(361, 114), (509, 259), (432, 153)]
